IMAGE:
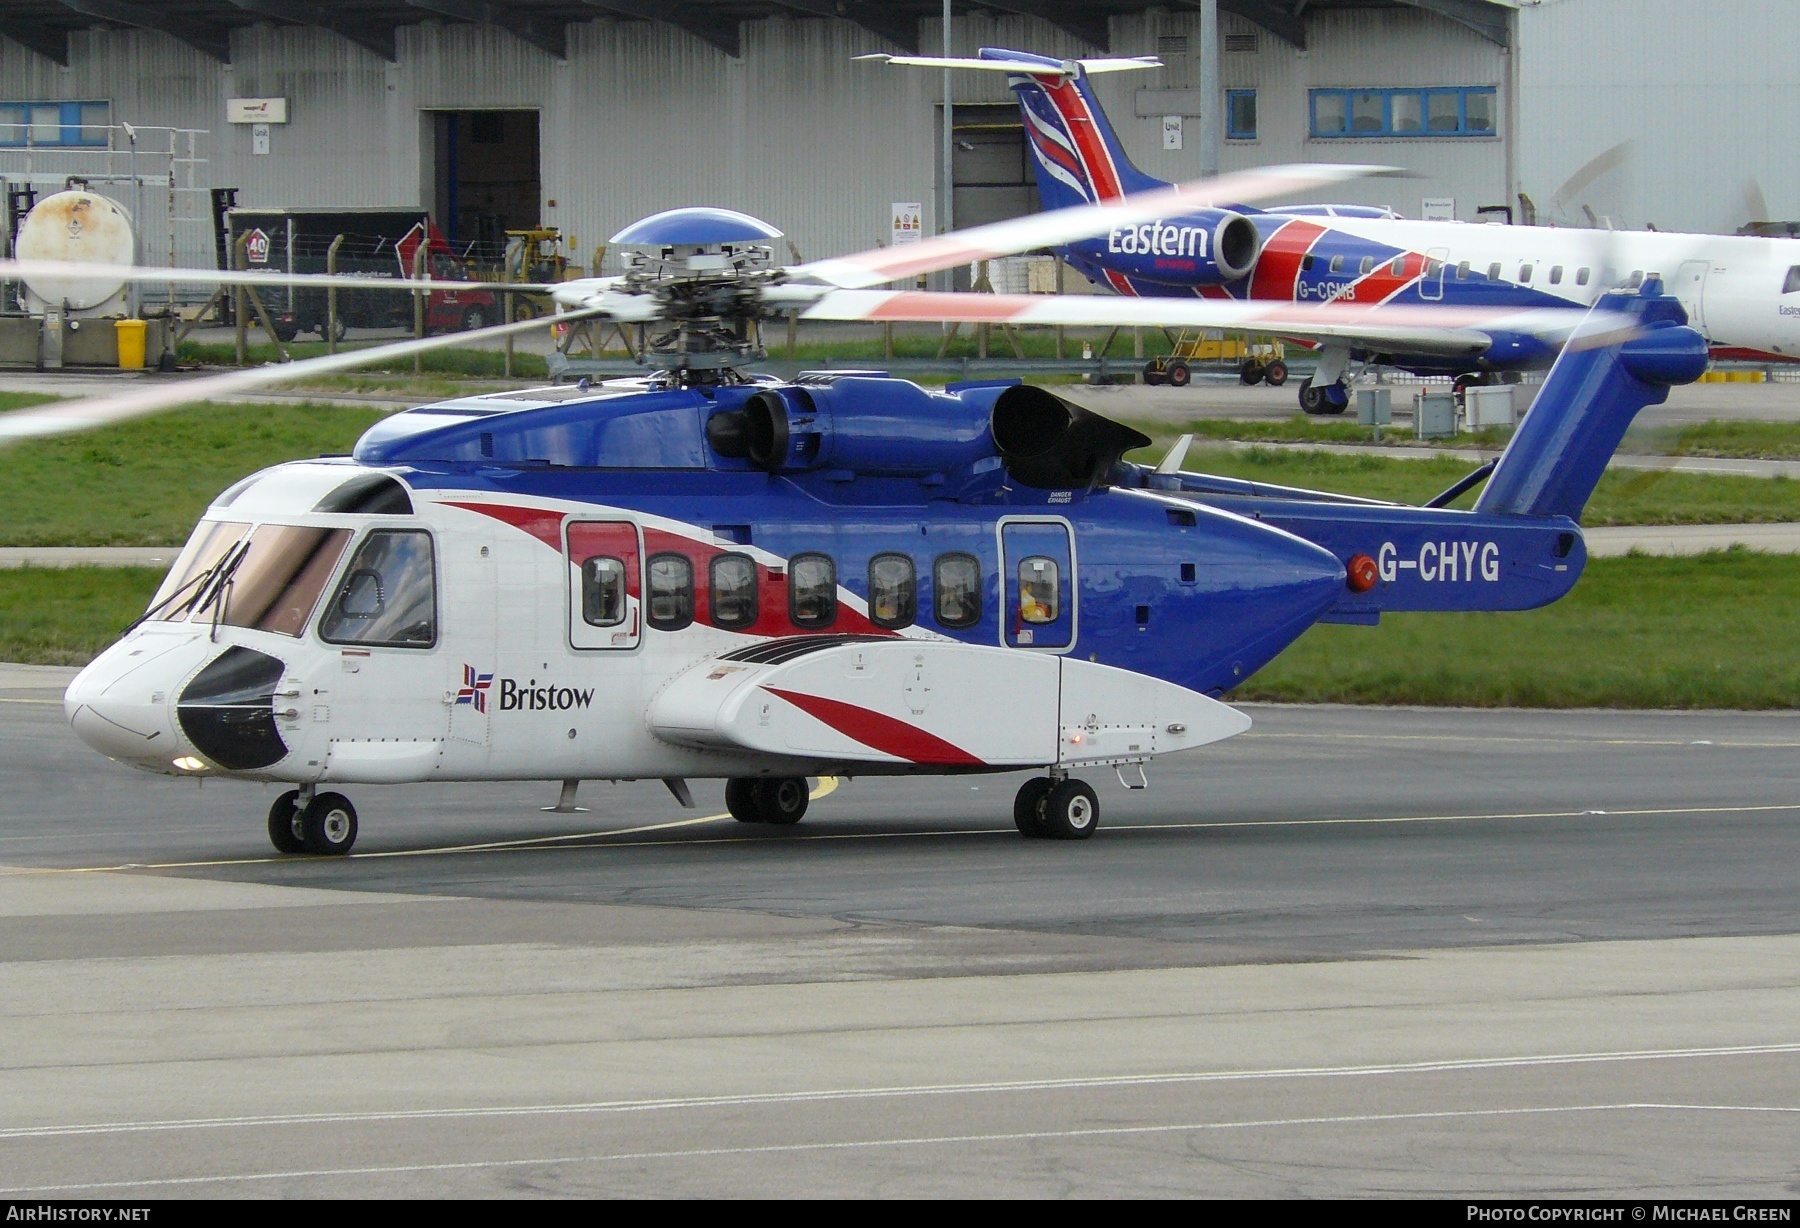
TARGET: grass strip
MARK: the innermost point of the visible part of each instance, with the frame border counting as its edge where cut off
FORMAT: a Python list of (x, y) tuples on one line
[(145, 483), (1708, 631), (65, 616)]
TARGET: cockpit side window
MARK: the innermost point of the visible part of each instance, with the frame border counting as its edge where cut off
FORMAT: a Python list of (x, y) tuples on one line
[(1792, 284), (388, 596)]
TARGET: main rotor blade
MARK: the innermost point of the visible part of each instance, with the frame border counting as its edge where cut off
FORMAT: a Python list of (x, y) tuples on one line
[(69, 417), (1071, 225), (22, 270), (1413, 328)]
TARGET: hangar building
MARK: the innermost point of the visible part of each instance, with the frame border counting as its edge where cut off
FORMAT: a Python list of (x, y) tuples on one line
[(500, 114)]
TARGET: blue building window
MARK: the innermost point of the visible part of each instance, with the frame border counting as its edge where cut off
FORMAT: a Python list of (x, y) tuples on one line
[(1240, 115), (1377, 113), (54, 123)]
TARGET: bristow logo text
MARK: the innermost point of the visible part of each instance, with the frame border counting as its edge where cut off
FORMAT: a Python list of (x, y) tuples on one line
[(1157, 239), (534, 698)]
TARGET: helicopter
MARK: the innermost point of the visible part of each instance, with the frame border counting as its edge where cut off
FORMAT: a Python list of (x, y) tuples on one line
[(706, 572)]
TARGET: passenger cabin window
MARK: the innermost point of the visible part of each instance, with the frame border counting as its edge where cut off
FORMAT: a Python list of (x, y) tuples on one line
[(1366, 266), (956, 590), (733, 591), (1635, 280), (893, 591), (1524, 272), (1433, 267), (1399, 269), (388, 597), (1556, 274), (1038, 584), (1494, 271), (1337, 264), (1581, 276), (671, 592), (1462, 271), (1792, 284), (1306, 263), (812, 590), (603, 591)]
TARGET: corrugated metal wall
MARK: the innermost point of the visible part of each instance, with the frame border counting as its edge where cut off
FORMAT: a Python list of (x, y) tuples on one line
[(1682, 115), (643, 117)]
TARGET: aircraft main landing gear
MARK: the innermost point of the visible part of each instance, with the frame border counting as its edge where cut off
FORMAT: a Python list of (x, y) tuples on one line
[(302, 821), (1047, 808), (1321, 400), (780, 801)]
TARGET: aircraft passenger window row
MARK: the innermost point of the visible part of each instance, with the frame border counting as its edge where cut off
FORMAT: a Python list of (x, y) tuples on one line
[(388, 597), (733, 589), (812, 591), (671, 604), (603, 591), (1792, 284)]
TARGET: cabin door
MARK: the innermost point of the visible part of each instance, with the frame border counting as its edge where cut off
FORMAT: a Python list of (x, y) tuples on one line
[(605, 567), (1690, 288), (1037, 584)]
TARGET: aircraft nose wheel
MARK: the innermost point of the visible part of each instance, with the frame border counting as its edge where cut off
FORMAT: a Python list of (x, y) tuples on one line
[(286, 832), (329, 824), (1047, 809)]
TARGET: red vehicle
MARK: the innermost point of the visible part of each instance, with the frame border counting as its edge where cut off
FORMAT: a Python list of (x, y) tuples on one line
[(381, 242)]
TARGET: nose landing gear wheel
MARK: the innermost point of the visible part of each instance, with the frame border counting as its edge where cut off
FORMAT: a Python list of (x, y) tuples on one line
[(286, 832), (781, 801), (1028, 807), (740, 800), (1071, 811), (329, 824)]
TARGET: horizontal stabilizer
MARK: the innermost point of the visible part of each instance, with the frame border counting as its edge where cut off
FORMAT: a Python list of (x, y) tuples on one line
[(897, 702)]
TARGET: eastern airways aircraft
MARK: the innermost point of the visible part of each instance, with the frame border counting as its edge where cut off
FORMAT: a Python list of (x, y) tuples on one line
[(1742, 292)]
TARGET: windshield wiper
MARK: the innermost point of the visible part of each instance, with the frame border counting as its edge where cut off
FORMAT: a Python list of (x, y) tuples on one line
[(202, 583)]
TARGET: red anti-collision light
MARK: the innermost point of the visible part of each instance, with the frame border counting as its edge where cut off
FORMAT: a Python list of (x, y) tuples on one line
[(1360, 573)]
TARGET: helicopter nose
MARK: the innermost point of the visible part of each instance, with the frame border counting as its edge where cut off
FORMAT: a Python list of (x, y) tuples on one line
[(122, 704)]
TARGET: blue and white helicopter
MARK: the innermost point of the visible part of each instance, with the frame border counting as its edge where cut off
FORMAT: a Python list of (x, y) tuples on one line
[(706, 573)]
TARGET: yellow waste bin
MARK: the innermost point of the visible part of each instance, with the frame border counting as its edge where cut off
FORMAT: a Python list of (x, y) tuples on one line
[(131, 344)]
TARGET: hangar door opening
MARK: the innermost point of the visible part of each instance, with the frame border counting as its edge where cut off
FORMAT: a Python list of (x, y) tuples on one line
[(486, 178), (991, 170)]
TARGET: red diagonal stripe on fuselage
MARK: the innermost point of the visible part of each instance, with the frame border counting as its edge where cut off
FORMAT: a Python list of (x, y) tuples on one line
[(1278, 268), (543, 525), (879, 732), (1382, 283)]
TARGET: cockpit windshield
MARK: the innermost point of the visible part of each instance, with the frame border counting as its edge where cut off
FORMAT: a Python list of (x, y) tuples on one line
[(268, 579)]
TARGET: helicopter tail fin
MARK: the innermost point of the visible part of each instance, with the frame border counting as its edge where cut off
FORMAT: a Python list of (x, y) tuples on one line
[(1588, 400)]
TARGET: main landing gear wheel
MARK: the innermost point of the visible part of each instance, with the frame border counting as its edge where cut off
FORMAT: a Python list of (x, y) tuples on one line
[(782, 800), (740, 800), (1275, 374), (329, 824), (286, 832), (1330, 399), (1028, 806), (1070, 811)]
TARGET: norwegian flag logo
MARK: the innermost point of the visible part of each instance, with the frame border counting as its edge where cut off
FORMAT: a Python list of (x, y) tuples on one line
[(474, 688)]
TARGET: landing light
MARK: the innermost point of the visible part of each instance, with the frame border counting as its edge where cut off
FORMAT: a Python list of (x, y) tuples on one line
[(187, 763)]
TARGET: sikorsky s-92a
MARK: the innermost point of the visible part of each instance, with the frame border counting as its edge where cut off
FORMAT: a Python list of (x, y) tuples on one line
[(711, 574)]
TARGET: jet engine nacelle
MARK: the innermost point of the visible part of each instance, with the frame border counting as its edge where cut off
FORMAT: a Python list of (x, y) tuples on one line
[(860, 424), (1196, 249)]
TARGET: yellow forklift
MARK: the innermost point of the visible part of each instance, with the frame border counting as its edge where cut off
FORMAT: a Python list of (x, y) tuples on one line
[(536, 255), (1257, 359)]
